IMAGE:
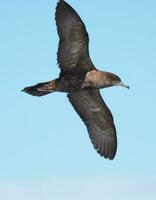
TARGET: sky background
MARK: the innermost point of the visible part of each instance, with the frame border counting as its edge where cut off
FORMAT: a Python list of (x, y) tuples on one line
[(45, 151)]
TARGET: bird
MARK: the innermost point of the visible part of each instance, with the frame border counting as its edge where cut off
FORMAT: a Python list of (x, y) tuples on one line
[(82, 81)]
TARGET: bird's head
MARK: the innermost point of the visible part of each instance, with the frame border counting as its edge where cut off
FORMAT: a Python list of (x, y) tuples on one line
[(114, 80)]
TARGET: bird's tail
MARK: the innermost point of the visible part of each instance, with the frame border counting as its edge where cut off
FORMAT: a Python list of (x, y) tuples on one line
[(41, 89)]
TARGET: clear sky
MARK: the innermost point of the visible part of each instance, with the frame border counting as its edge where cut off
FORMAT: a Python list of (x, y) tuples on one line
[(45, 151)]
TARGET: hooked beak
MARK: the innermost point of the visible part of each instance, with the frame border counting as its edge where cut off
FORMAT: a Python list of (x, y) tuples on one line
[(123, 85)]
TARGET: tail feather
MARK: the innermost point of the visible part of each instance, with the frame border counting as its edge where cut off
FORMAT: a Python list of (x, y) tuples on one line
[(40, 89)]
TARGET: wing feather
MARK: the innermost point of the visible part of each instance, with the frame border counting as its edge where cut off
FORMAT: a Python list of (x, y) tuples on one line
[(73, 54), (98, 119)]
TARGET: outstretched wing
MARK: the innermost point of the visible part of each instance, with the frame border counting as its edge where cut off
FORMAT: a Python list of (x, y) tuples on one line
[(73, 53), (98, 119)]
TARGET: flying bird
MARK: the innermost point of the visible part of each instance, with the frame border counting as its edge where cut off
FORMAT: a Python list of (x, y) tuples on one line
[(80, 79)]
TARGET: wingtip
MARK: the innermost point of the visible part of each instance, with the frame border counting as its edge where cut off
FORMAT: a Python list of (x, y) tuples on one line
[(61, 1), (109, 156), (108, 150)]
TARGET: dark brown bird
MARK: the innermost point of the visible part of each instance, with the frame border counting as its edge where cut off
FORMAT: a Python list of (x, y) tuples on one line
[(81, 81)]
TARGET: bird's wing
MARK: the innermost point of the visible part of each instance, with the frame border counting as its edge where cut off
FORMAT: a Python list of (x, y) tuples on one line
[(98, 119), (73, 54)]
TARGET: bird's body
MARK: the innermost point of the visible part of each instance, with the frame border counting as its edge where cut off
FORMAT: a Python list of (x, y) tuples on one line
[(81, 81)]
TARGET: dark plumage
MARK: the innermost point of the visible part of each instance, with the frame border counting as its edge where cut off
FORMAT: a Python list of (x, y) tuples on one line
[(81, 81)]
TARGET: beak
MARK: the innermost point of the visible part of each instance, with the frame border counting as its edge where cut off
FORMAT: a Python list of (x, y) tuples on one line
[(123, 85)]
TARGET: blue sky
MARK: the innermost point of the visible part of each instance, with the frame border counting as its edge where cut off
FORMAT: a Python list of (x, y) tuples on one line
[(45, 151)]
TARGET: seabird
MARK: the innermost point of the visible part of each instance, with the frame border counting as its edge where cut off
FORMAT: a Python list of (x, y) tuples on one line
[(80, 79)]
